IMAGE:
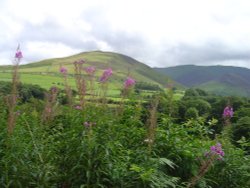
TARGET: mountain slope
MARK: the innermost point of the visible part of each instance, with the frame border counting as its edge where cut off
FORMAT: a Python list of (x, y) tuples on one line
[(122, 67), (223, 80)]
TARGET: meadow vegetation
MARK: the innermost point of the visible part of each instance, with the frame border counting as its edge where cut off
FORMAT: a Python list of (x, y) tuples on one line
[(79, 136)]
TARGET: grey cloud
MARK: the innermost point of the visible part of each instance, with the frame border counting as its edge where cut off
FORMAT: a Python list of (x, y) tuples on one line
[(209, 53), (51, 31), (137, 46), (120, 40), (132, 44)]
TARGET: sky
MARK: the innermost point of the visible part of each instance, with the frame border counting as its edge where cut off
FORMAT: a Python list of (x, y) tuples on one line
[(159, 33)]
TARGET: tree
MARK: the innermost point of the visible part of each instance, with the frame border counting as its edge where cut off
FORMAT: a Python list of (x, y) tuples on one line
[(192, 113), (191, 93)]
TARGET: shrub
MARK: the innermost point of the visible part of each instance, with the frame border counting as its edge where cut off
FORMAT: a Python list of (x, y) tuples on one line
[(241, 129), (191, 113), (25, 91)]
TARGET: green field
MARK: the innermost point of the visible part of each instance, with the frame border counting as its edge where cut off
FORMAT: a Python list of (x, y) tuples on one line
[(46, 81), (46, 73), (122, 66)]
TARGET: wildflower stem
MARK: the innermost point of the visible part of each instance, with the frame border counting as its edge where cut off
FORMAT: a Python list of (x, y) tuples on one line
[(152, 124), (202, 171), (12, 100)]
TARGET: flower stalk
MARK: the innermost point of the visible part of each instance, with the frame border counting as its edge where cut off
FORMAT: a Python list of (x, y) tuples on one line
[(80, 82), (12, 99), (215, 153), (49, 110), (68, 90)]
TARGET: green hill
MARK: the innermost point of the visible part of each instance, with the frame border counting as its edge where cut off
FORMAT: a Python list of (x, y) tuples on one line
[(222, 80), (46, 72)]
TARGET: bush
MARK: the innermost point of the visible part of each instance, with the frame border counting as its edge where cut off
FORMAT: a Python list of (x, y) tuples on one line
[(242, 129), (232, 172), (202, 106), (191, 113), (25, 91), (147, 86)]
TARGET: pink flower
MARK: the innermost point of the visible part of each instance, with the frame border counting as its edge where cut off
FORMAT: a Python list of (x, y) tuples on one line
[(216, 150), (106, 74), (78, 107), (54, 89), (63, 70), (228, 112), (129, 82), (49, 110), (221, 153), (212, 148), (86, 124), (90, 70), (80, 62), (19, 55)]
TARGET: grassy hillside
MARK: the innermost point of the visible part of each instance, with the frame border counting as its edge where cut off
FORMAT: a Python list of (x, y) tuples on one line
[(223, 80), (46, 72)]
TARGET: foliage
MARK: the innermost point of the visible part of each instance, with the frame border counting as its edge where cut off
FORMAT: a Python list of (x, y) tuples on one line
[(191, 93), (233, 170), (136, 141), (26, 91), (191, 113), (241, 129), (202, 106), (242, 112), (147, 86)]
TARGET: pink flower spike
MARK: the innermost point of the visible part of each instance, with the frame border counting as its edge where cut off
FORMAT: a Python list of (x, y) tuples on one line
[(80, 62), (86, 124), (217, 150), (78, 107), (228, 112), (19, 55), (63, 70), (222, 153), (49, 110), (90, 70), (213, 148), (218, 145), (129, 82), (106, 74), (53, 89)]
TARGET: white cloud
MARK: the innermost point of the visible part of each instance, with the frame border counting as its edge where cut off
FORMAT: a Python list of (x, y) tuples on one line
[(47, 49), (156, 32)]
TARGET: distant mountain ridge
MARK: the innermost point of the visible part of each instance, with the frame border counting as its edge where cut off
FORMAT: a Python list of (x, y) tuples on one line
[(222, 80)]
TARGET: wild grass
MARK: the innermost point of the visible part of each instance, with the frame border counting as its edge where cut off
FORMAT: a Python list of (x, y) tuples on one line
[(149, 143)]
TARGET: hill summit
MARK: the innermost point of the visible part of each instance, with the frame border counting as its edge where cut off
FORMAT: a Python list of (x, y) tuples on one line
[(122, 66)]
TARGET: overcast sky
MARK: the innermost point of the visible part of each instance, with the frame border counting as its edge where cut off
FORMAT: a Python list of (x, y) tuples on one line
[(159, 33)]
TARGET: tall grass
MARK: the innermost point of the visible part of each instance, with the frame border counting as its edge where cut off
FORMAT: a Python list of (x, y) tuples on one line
[(92, 145)]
